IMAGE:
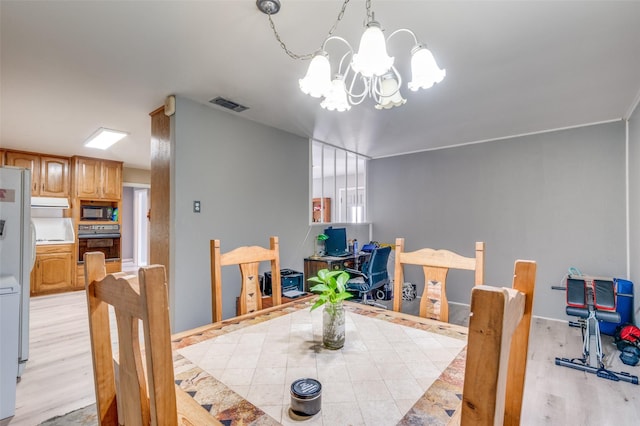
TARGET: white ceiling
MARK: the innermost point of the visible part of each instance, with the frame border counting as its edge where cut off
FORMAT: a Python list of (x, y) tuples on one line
[(513, 67)]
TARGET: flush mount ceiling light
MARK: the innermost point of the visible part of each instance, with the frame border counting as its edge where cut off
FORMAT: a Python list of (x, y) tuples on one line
[(103, 138), (368, 73)]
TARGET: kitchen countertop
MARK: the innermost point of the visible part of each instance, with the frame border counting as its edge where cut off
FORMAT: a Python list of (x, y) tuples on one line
[(53, 231), (53, 242)]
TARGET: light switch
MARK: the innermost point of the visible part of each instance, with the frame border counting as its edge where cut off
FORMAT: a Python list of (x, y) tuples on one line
[(196, 206)]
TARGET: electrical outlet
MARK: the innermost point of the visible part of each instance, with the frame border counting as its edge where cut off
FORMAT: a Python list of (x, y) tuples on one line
[(196, 206)]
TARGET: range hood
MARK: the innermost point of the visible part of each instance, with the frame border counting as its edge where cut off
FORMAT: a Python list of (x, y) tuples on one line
[(50, 202)]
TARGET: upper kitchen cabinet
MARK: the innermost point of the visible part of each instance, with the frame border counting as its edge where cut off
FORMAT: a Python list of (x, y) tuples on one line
[(96, 179), (49, 174), (111, 180), (26, 161), (54, 177), (86, 183)]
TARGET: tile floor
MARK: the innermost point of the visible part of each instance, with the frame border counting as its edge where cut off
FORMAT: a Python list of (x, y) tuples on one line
[(375, 379)]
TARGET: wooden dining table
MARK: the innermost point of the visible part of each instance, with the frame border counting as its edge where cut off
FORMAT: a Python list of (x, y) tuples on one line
[(394, 368)]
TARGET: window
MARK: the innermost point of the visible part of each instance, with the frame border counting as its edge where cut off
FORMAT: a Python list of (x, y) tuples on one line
[(338, 185)]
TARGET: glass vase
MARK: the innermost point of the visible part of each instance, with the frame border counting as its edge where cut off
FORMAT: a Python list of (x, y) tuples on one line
[(333, 330)]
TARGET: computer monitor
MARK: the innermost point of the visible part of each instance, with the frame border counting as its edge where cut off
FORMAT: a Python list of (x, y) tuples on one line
[(336, 244)]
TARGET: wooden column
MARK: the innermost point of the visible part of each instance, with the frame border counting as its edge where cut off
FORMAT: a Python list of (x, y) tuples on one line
[(160, 193)]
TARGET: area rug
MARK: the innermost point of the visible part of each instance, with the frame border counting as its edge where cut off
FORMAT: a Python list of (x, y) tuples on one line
[(86, 416)]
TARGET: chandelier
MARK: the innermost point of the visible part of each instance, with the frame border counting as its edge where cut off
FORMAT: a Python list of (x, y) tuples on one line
[(369, 73)]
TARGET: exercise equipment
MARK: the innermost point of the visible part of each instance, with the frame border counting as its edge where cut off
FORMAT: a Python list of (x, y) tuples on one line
[(624, 306), (592, 300)]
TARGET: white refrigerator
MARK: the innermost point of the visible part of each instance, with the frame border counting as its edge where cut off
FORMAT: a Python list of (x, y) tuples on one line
[(17, 256)]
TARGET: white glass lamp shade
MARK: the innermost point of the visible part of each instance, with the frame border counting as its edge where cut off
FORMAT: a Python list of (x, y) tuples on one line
[(424, 70), (336, 99), (317, 81), (372, 58), (391, 96)]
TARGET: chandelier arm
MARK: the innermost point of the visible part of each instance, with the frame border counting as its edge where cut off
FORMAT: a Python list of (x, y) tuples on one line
[(349, 53), (399, 77), (365, 82), (342, 61), (307, 56), (376, 94), (357, 101), (415, 39), (324, 44), (360, 97), (374, 87)]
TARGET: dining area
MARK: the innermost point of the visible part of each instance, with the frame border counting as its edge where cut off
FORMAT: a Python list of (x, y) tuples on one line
[(275, 365), (58, 387)]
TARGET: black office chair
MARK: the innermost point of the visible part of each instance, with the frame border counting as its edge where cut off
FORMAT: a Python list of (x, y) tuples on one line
[(372, 277)]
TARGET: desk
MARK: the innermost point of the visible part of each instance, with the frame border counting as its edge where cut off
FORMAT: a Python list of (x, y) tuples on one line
[(394, 368), (313, 264)]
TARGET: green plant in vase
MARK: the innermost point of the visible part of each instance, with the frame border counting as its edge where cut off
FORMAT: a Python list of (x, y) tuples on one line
[(332, 290)]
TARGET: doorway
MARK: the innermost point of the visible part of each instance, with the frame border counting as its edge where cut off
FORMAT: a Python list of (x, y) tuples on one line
[(141, 226), (135, 226)]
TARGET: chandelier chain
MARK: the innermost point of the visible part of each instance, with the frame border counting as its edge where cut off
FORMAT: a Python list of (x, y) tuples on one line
[(369, 12), (307, 56)]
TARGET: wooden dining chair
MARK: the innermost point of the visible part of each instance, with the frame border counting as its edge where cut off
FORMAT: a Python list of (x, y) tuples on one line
[(497, 346), (248, 258), (122, 396), (435, 265)]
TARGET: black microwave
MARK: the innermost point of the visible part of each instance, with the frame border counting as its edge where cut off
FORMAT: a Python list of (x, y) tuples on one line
[(96, 213)]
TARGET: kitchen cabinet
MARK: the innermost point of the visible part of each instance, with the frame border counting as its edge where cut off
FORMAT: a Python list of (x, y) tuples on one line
[(26, 161), (49, 174), (53, 270), (96, 179), (111, 180), (54, 177), (87, 177)]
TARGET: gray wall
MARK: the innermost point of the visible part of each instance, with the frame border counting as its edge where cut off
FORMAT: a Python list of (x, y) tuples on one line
[(634, 205), (556, 198), (252, 181)]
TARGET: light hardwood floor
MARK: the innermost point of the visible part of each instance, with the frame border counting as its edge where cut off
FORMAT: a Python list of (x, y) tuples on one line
[(58, 377)]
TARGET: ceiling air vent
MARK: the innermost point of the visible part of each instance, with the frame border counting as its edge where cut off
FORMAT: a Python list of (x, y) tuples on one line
[(226, 103)]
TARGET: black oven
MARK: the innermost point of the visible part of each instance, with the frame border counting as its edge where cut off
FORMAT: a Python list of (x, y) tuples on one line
[(103, 238)]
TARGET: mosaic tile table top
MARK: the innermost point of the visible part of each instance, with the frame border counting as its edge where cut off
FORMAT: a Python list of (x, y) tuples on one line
[(394, 368)]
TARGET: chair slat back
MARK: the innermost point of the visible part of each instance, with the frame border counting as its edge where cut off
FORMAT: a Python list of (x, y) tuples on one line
[(499, 326), (134, 299), (248, 259), (435, 266)]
